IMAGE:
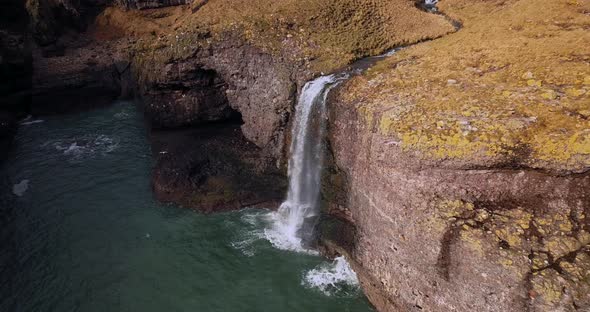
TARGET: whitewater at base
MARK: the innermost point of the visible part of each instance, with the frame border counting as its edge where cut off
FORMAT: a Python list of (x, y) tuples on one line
[(331, 278)]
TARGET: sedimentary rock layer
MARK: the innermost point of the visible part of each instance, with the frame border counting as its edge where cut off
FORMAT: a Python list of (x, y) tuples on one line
[(463, 163)]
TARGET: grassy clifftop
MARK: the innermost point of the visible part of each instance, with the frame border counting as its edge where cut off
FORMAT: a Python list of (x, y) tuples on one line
[(323, 35), (511, 88)]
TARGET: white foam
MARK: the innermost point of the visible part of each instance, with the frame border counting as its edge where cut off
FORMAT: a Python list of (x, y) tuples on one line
[(74, 149), (246, 245), (86, 146), (121, 115), (20, 188), (32, 122), (282, 232), (253, 222), (333, 279)]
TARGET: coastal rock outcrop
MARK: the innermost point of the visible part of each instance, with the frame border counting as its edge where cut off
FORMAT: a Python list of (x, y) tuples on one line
[(458, 173), (465, 172), (212, 61)]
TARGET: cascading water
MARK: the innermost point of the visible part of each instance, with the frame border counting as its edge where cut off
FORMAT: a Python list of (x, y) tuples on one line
[(293, 224), (297, 213)]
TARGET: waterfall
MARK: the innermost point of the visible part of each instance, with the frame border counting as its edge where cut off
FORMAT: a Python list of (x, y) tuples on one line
[(295, 218), (292, 224)]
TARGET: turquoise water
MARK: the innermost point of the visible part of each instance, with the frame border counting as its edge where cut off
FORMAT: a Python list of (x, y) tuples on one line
[(80, 231)]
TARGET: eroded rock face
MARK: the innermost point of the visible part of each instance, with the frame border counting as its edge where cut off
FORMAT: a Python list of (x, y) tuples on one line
[(213, 168), (464, 239), (263, 52), (198, 64), (218, 80), (466, 173)]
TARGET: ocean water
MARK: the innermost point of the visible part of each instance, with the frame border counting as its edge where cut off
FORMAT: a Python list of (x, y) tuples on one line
[(80, 231)]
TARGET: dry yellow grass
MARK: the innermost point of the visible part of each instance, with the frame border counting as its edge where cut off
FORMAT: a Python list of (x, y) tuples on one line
[(324, 34), (513, 86)]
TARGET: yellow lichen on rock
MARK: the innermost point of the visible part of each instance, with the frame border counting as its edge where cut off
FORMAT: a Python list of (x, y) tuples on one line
[(453, 208), (510, 87)]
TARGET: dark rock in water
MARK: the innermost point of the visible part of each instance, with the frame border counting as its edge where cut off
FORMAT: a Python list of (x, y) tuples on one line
[(213, 168), (15, 58)]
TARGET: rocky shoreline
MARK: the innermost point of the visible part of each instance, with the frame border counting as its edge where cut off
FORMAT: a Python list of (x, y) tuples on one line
[(481, 159), (458, 170)]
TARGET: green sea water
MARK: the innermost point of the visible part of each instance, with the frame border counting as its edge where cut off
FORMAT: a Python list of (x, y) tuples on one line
[(80, 231)]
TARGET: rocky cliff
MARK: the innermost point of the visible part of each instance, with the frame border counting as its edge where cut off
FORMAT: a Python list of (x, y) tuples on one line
[(194, 63), (458, 175), (213, 61), (463, 164)]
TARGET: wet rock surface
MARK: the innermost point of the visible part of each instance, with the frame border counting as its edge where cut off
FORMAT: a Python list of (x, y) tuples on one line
[(213, 168)]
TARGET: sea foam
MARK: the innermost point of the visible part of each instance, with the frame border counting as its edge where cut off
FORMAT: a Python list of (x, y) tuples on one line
[(20, 188), (333, 279)]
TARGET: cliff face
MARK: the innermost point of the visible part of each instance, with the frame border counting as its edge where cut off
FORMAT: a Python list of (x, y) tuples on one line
[(215, 60), (209, 62), (459, 168), (260, 52), (463, 164)]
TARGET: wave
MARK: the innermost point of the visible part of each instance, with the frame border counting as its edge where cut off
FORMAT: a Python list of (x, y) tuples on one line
[(333, 279), (85, 146), (251, 222)]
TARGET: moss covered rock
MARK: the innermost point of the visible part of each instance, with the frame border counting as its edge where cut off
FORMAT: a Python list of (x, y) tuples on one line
[(510, 89)]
